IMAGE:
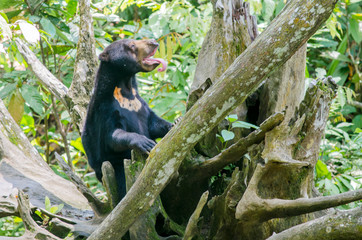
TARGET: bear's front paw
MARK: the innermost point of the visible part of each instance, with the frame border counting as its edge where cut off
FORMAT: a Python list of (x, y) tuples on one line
[(143, 144)]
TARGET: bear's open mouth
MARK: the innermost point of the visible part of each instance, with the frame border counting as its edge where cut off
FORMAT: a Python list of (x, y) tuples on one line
[(151, 61)]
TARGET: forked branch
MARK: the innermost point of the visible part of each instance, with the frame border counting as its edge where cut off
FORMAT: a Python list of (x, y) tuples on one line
[(251, 206), (43, 74), (240, 148), (99, 208)]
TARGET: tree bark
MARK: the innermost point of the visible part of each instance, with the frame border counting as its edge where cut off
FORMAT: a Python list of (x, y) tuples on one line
[(85, 66), (22, 167), (289, 31), (341, 225)]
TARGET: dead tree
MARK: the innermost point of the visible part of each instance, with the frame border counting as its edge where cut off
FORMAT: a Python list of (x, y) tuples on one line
[(271, 192)]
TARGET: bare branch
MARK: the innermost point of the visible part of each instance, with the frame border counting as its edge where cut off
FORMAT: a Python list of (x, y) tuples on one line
[(44, 75), (191, 229), (29, 224), (61, 131), (110, 184), (337, 226), (251, 206), (99, 208), (356, 104), (289, 31), (238, 149)]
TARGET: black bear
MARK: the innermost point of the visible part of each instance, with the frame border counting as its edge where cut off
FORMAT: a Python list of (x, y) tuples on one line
[(118, 119)]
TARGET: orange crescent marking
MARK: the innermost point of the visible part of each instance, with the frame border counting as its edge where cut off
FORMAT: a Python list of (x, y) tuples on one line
[(129, 104)]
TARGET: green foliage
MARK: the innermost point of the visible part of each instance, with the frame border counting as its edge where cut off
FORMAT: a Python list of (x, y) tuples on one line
[(11, 227), (340, 164), (228, 135), (52, 209)]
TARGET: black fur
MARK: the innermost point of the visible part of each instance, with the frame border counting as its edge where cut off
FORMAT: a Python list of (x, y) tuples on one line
[(111, 131)]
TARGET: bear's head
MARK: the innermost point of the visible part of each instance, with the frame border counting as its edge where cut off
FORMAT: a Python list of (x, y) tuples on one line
[(132, 55)]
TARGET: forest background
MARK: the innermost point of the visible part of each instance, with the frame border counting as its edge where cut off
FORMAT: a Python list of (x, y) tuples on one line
[(51, 27)]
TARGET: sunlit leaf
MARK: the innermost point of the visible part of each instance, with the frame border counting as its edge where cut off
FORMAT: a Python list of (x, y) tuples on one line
[(232, 118), (30, 32), (227, 135), (47, 203), (322, 170), (336, 56), (356, 30), (16, 106), (342, 99), (78, 145), (48, 26), (7, 89), (4, 27), (241, 124), (169, 48)]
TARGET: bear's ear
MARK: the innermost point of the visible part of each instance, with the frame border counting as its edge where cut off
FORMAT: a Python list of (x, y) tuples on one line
[(104, 56)]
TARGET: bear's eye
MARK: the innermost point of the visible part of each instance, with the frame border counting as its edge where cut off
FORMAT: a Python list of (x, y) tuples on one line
[(133, 47)]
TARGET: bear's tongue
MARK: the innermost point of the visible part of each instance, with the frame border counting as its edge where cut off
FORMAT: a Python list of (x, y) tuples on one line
[(157, 60)]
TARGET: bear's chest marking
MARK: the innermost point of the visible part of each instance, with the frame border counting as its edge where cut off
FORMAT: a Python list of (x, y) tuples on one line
[(129, 104)]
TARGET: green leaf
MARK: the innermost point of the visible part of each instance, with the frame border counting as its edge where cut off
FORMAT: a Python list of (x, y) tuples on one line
[(47, 204), (30, 32), (232, 118), (16, 106), (332, 24), (7, 89), (322, 170), (60, 207), (48, 26), (357, 121), (331, 187), (220, 138), (336, 56), (355, 78), (169, 47), (241, 124), (227, 135), (4, 27), (268, 9), (357, 16), (341, 49), (351, 178), (32, 98), (27, 123), (63, 36), (72, 7), (8, 4), (34, 4), (320, 72), (77, 144), (356, 30), (345, 182), (342, 99)]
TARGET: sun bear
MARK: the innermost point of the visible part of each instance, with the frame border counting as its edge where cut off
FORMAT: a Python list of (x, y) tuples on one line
[(118, 119)]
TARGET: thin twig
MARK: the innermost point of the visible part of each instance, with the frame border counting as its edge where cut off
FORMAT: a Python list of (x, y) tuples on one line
[(61, 131)]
